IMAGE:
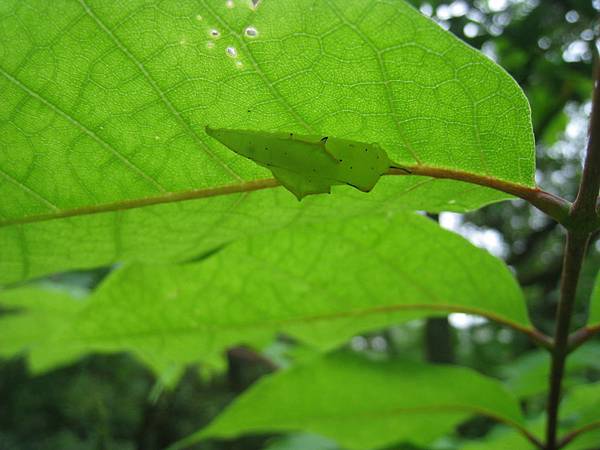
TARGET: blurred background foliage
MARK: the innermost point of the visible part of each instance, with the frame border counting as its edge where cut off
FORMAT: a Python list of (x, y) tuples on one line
[(113, 402)]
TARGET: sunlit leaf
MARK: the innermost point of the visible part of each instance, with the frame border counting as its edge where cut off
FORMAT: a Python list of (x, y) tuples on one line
[(321, 284), (106, 102), (364, 404)]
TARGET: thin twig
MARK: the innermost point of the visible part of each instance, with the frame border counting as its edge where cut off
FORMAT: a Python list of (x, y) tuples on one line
[(574, 253), (586, 202), (553, 205), (581, 336), (568, 438), (583, 221)]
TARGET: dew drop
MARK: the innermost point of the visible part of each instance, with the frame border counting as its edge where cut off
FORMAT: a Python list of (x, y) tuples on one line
[(239, 64), (229, 4), (214, 33), (251, 32), (210, 44), (231, 51), (199, 18)]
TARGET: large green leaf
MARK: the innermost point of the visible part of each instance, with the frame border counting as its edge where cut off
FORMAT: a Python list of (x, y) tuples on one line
[(364, 404), (179, 231), (105, 102), (322, 284)]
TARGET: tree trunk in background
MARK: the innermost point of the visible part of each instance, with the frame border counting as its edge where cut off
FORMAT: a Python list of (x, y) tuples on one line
[(439, 342)]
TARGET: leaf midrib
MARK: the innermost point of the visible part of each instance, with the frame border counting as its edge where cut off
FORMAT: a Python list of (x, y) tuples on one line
[(390, 412), (430, 172), (275, 324)]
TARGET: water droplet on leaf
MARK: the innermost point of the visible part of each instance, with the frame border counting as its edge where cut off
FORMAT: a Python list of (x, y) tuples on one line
[(251, 32)]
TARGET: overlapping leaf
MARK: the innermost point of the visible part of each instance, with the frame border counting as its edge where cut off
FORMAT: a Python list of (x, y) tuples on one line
[(48, 313), (321, 284), (364, 404)]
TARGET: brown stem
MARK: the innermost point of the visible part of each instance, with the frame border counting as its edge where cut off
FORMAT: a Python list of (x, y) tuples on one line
[(554, 206), (587, 197), (582, 335), (574, 253), (583, 221)]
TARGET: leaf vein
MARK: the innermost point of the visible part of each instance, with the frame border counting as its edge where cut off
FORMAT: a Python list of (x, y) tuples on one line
[(161, 94), (270, 85), (28, 190), (126, 161), (384, 74)]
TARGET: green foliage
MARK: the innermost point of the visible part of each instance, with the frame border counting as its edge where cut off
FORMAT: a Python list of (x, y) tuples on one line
[(528, 375), (305, 283), (116, 125), (35, 315), (580, 408), (504, 438), (406, 402), (106, 162)]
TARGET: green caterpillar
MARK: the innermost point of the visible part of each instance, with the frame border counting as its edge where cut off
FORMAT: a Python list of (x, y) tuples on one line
[(308, 165)]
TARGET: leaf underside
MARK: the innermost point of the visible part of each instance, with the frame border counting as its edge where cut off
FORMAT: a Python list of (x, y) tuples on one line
[(407, 402), (128, 87), (321, 284)]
